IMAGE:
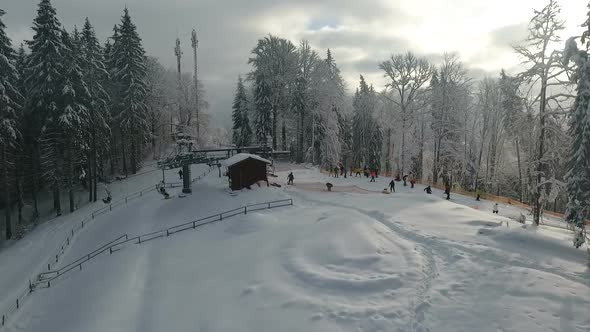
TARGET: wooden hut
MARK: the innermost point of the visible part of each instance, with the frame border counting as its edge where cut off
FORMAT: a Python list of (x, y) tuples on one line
[(245, 169)]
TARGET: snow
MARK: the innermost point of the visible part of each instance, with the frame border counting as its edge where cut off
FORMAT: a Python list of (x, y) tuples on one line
[(241, 157), (335, 261)]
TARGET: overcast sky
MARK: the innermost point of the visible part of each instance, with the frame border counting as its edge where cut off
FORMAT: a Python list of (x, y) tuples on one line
[(360, 33)]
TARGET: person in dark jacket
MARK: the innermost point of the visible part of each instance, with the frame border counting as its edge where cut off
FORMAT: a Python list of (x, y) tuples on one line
[(290, 178), (448, 190), (392, 186), (405, 179), (180, 173), (412, 182), (428, 190)]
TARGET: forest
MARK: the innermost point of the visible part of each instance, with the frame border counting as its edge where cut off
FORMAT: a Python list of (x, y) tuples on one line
[(76, 112), (507, 134)]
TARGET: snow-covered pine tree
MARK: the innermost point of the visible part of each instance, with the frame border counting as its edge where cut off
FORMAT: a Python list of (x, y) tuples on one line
[(263, 112), (242, 133), (128, 58), (362, 124), (98, 133), (71, 120), (578, 177), (10, 103), (44, 77)]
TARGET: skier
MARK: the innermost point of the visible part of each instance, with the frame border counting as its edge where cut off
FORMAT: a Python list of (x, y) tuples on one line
[(366, 171), (372, 176), (448, 191), (163, 191), (335, 171), (180, 174), (412, 182), (290, 178), (392, 186), (351, 169), (428, 190), (495, 210), (477, 194), (405, 178), (342, 170)]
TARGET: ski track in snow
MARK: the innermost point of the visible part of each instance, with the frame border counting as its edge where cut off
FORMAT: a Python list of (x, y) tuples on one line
[(430, 247)]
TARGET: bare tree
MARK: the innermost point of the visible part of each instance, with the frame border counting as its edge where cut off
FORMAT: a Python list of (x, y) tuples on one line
[(408, 74), (545, 75)]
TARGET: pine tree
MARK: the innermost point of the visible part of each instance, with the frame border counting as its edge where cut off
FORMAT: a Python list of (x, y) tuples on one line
[(242, 133), (44, 77), (578, 176), (95, 73), (263, 112), (10, 103), (363, 124), (128, 58)]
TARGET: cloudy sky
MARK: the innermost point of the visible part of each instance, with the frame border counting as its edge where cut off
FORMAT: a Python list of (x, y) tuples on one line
[(360, 33)]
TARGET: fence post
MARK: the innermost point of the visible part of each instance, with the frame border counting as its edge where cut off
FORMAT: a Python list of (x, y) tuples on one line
[(140, 193), (92, 215), (269, 205), (167, 234), (111, 250), (3, 319), (48, 267), (245, 209), (30, 286), (48, 283), (220, 216), (80, 266), (193, 224), (68, 239), (110, 207), (17, 304), (56, 258), (72, 232)]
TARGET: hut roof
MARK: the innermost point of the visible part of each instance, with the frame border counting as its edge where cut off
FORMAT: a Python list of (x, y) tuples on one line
[(241, 157)]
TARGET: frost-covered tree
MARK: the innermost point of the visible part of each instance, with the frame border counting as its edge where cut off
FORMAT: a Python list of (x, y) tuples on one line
[(544, 71), (95, 75), (129, 74), (363, 124), (578, 176), (275, 62), (44, 80), (407, 76), (242, 133), (301, 101), (10, 103), (263, 110), (326, 95)]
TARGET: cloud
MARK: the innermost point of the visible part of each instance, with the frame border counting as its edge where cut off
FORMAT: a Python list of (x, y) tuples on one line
[(361, 34)]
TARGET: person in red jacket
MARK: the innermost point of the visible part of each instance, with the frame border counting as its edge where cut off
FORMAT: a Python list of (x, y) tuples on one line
[(372, 176)]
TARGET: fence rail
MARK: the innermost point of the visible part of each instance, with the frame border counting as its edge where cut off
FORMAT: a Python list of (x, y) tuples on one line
[(46, 278), (54, 258)]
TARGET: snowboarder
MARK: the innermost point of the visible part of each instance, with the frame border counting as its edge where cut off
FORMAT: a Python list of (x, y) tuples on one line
[(412, 182), (372, 176), (477, 195), (290, 178), (392, 186), (428, 190), (495, 210), (405, 178), (180, 174)]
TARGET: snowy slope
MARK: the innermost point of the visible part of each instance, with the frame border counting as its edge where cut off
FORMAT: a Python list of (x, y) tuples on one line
[(22, 259), (333, 262)]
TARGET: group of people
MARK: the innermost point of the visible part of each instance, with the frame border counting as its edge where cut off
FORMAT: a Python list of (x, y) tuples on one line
[(336, 171)]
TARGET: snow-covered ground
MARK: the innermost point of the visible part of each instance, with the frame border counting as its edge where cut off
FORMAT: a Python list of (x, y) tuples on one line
[(335, 261)]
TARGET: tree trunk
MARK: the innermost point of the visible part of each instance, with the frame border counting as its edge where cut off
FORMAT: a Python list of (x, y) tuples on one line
[(274, 127), (69, 175), (301, 126), (519, 169), (123, 154), (284, 137), (7, 208), (89, 176), (36, 170), (133, 156), (56, 193), (540, 165), (94, 166)]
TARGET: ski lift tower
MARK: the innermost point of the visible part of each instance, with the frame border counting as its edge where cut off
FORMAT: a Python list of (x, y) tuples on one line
[(185, 144)]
